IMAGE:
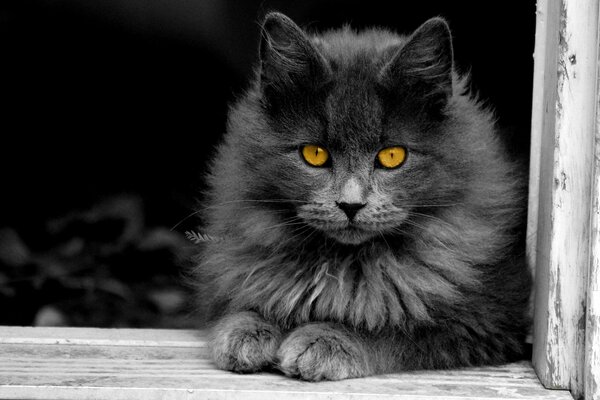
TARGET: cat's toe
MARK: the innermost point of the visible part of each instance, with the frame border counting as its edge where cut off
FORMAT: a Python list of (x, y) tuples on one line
[(318, 352), (244, 343)]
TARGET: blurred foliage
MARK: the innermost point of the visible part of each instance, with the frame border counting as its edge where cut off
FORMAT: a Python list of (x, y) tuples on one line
[(99, 267)]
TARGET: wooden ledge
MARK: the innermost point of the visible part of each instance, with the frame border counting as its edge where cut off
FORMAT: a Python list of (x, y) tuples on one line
[(125, 364)]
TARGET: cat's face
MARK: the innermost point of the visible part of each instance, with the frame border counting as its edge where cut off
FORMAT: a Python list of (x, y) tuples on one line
[(355, 204), (353, 190), (356, 144)]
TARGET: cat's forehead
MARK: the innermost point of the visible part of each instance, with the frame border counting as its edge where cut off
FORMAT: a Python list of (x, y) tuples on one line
[(343, 46), (354, 110)]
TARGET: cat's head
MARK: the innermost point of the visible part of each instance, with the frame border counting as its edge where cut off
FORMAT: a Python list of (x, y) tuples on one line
[(356, 130)]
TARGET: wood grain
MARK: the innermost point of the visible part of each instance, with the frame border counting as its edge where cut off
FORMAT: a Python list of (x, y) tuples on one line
[(538, 121), (546, 55), (564, 208), (592, 330), (77, 363), (96, 336)]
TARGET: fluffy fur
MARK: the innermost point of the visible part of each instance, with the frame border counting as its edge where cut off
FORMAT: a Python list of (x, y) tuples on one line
[(429, 273)]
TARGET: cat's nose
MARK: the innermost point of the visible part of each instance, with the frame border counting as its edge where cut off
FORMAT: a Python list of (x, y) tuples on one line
[(350, 209)]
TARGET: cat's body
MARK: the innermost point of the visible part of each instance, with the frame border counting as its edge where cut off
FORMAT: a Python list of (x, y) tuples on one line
[(349, 268)]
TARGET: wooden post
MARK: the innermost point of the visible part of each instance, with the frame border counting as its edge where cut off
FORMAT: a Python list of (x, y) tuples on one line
[(563, 125), (537, 125), (592, 329)]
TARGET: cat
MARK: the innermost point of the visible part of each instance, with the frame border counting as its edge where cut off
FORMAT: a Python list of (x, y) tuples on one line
[(368, 214)]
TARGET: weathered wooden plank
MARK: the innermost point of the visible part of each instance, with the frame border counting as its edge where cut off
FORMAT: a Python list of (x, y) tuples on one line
[(562, 253), (72, 363), (58, 393), (97, 336), (592, 345), (538, 121), (592, 330), (546, 56)]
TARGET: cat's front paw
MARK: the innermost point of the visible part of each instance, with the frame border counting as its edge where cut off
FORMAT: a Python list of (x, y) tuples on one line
[(320, 351), (244, 342)]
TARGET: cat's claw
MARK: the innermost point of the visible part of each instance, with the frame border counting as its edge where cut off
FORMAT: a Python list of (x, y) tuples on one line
[(244, 342), (316, 352)]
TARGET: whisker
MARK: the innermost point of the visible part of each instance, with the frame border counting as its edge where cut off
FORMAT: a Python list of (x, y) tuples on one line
[(307, 237), (400, 231), (208, 208), (301, 230), (431, 217), (261, 201), (413, 223), (252, 271), (251, 201), (429, 205), (384, 239), (184, 219), (288, 223)]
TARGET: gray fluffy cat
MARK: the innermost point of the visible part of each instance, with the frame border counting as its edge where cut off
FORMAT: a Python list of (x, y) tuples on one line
[(367, 213)]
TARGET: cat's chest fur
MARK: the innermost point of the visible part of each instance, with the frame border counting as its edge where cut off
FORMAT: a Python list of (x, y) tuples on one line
[(375, 287)]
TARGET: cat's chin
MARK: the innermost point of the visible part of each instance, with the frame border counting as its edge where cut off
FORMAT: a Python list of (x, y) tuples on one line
[(350, 235)]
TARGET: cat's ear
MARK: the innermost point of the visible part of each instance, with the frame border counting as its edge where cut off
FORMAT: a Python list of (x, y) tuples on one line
[(423, 65), (287, 57)]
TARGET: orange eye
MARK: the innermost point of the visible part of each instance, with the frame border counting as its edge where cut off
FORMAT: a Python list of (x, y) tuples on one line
[(315, 155), (391, 157)]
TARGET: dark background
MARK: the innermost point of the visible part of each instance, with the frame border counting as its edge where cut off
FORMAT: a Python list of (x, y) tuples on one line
[(111, 109)]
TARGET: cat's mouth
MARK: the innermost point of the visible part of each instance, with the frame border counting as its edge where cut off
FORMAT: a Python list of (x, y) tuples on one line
[(351, 231), (351, 234)]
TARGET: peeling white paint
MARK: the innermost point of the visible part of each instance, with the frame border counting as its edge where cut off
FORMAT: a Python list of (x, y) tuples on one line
[(564, 118)]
